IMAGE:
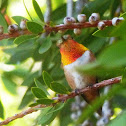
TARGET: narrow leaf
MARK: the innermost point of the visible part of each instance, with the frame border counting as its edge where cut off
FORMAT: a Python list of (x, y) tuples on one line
[(46, 44), (38, 92), (57, 108), (47, 78), (119, 121), (38, 10), (45, 101), (3, 22), (34, 27), (23, 38), (27, 10), (34, 104), (114, 56), (18, 19), (1, 110), (40, 85), (59, 88)]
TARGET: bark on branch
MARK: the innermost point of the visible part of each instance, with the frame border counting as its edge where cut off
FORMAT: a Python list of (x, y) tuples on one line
[(63, 98), (49, 29)]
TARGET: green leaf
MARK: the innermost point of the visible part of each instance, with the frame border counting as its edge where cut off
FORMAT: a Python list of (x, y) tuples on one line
[(100, 71), (38, 92), (18, 19), (114, 56), (45, 101), (57, 108), (46, 119), (27, 98), (1, 110), (59, 88), (34, 104), (34, 27), (119, 121), (104, 33), (47, 78), (38, 10), (3, 22), (29, 79), (46, 44), (9, 84), (40, 85), (27, 10), (23, 38), (120, 30)]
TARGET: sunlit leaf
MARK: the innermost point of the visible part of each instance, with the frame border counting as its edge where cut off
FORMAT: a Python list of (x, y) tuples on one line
[(59, 88), (47, 78), (119, 121), (38, 10), (1, 110), (18, 19), (23, 38), (27, 98), (39, 93), (46, 44), (27, 10), (3, 22), (114, 56), (45, 101), (57, 108), (34, 27)]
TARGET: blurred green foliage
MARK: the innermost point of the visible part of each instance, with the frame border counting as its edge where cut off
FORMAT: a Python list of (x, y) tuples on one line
[(111, 60)]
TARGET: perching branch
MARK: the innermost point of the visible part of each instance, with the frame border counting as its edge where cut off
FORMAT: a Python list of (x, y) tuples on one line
[(56, 28), (63, 98)]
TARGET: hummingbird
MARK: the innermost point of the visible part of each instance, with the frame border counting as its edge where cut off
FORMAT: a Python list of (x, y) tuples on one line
[(74, 55)]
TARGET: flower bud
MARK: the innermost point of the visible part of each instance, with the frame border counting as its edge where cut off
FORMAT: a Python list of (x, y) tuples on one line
[(94, 18), (1, 30), (23, 24), (77, 31), (67, 20), (81, 18), (101, 25), (116, 20), (12, 28)]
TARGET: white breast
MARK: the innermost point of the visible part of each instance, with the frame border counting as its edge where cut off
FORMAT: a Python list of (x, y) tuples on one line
[(78, 78)]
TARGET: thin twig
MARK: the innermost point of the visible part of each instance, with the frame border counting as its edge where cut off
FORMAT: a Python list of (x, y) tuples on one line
[(56, 28), (64, 98), (69, 8), (48, 11)]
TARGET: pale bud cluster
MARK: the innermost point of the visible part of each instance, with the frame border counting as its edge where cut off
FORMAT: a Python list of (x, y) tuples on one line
[(81, 18), (23, 24), (69, 20), (101, 25), (14, 27), (94, 18), (116, 20)]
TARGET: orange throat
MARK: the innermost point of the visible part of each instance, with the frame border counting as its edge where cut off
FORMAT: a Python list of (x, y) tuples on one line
[(71, 51)]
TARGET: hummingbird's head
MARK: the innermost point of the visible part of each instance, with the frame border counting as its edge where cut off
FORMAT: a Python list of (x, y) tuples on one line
[(70, 50)]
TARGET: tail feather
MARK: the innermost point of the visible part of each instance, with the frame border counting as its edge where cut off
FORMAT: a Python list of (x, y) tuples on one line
[(90, 96)]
